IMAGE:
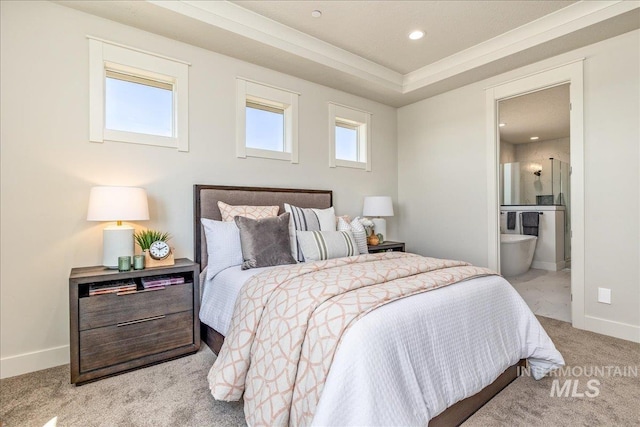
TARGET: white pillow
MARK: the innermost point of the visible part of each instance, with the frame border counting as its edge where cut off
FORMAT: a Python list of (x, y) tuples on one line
[(223, 245), (358, 231), (327, 218), (321, 245)]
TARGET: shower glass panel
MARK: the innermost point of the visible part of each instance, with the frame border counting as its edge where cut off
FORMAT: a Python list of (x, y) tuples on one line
[(534, 182)]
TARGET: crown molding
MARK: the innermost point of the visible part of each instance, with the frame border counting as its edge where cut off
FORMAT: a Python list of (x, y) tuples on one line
[(251, 25), (246, 23), (562, 22), (282, 48)]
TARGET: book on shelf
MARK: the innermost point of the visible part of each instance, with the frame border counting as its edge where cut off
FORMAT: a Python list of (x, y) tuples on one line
[(161, 281), (112, 287)]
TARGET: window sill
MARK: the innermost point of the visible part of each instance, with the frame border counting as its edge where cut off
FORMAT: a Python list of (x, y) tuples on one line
[(267, 154), (141, 138), (349, 164)]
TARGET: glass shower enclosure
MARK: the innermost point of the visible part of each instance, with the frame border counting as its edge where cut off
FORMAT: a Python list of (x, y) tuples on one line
[(534, 183)]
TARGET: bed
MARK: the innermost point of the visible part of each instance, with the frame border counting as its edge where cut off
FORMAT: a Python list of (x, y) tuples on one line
[(363, 368)]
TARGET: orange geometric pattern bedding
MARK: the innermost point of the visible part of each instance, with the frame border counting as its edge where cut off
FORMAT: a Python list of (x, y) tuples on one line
[(288, 323)]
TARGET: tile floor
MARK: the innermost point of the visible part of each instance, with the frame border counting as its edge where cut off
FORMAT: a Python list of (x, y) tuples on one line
[(548, 293)]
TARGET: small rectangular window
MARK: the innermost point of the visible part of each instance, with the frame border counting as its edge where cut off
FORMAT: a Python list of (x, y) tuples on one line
[(346, 141), (266, 121), (136, 104), (264, 127), (349, 142), (137, 97)]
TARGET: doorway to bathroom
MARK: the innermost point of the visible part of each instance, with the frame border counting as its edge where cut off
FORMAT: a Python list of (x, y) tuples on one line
[(535, 198), (538, 188)]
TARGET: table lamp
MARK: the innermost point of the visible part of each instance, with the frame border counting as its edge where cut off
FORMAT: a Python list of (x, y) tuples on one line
[(378, 206), (117, 204)]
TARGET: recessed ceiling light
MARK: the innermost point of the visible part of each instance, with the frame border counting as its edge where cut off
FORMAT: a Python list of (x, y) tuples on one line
[(502, 125), (416, 35), (534, 138), (316, 14)]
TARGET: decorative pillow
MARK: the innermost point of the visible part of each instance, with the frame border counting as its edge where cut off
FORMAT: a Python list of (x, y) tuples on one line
[(327, 218), (346, 218), (321, 245), (358, 231), (308, 219), (265, 242), (223, 245), (254, 212)]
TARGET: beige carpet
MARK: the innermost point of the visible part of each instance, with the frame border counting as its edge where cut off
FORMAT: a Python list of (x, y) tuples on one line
[(176, 394)]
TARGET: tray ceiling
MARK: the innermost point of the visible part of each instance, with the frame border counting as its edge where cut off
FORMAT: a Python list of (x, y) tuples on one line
[(362, 47)]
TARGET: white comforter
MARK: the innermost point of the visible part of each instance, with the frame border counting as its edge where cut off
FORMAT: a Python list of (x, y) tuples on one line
[(407, 361)]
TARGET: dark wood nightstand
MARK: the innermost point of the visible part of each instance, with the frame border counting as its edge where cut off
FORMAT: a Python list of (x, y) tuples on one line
[(116, 332), (387, 246)]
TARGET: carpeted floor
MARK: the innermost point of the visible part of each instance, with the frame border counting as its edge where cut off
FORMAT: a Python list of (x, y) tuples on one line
[(176, 393)]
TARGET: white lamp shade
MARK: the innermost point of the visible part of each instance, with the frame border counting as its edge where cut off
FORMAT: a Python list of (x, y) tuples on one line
[(377, 206), (118, 204)]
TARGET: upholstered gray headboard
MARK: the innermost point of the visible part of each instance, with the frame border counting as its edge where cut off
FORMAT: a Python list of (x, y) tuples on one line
[(206, 199)]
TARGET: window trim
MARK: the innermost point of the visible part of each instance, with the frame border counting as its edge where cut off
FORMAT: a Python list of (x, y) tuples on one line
[(362, 121), (249, 91), (106, 57)]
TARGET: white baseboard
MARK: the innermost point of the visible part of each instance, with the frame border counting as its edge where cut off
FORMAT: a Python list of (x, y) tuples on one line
[(35, 361), (614, 329), (549, 266)]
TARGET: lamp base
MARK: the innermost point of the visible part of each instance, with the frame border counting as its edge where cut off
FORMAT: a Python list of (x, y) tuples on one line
[(380, 227), (117, 241)]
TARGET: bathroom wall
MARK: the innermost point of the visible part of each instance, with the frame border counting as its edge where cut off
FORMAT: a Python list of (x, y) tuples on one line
[(534, 156), (556, 148), (531, 184), (507, 152)]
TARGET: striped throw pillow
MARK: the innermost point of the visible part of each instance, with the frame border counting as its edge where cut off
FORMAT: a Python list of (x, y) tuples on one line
[(321, 245), (358, 231), (308, 219)]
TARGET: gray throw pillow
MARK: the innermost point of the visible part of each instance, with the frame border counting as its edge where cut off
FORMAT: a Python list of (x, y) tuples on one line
[(265, 242)]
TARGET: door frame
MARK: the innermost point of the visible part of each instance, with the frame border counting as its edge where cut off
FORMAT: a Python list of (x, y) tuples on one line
[(571, 73)]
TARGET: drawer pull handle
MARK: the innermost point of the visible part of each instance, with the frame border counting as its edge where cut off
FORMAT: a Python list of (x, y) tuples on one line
[(133, 322)]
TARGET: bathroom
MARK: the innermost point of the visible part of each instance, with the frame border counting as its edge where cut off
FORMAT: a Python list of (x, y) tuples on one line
[(535, 199)]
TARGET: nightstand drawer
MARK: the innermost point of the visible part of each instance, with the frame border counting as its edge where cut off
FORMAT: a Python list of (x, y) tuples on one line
[(111, 309), (115, 344)]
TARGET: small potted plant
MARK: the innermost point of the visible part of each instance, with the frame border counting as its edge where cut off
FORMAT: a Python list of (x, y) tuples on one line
[(154, 247), (145, 238)]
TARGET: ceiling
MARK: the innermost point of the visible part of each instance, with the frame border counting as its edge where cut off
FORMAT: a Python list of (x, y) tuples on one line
[(378, 30), (544, 114), (361, 47)]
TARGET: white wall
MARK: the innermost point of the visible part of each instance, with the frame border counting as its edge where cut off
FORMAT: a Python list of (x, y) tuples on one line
[(556, 148), (507, 152), (442, 184), (48, 164)]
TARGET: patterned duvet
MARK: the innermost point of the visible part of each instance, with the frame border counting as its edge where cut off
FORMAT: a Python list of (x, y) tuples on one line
[(289, 322)]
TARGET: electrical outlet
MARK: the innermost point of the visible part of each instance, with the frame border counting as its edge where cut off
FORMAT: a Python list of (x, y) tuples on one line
[(604, 295)]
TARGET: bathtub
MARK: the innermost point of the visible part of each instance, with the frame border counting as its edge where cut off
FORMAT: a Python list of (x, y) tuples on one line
[(516, 253)]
